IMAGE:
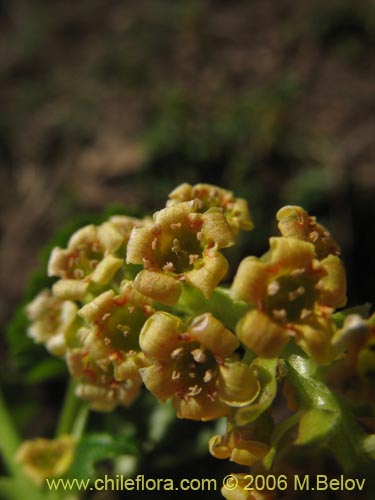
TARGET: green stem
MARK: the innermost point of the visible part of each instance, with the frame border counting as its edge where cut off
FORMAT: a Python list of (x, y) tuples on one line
[(69, 410), (17, 486), (80, 421), (9, 439)]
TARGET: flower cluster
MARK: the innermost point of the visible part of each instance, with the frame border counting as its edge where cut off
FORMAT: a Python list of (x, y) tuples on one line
[(118, 314)]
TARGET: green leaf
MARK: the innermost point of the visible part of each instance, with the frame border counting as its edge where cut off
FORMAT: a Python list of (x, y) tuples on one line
[(220, 304), (313, 393), (316, 424), (279, 432), (8, 489), (94, 448), (46, 369), (265, 370), (339, 429)]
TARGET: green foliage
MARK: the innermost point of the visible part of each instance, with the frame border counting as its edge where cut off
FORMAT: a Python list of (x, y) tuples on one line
[(95, 448)]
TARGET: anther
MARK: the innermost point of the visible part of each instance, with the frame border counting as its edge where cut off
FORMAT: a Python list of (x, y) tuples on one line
[(273, 288), (198, 355)]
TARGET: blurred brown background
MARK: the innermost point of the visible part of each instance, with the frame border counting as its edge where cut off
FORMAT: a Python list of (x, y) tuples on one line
[(105, 101), (108, 102)]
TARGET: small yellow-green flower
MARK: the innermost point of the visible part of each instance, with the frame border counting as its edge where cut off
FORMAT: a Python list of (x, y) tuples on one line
[(293, 295), (240, 445), (238, 488), (195, 366), (42, 458), (234, 209), (94, 255), (114, 322), (181, 246), (98, 386), (355, 370), (295, 222), (53, 322)]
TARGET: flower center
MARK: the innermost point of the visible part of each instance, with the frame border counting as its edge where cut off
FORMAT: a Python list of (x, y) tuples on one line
[(178, 251), (195, 368), (291, 297)]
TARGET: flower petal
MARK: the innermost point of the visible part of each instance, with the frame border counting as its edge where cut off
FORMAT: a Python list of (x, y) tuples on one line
[(250, 282), (139, 246), (213, 335), (94, 310), (158, 380), (332, 287), (199, 408), (263, 336), (238, 385), (106, 269), (315, 339), (70, 289), (158, 286), (216, 229), (290, 253), (174, 214), (209, 275), (110, 237), (160, 335)]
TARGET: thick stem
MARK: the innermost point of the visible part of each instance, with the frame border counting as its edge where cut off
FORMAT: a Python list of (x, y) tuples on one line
[(69, 410), (9, 439)]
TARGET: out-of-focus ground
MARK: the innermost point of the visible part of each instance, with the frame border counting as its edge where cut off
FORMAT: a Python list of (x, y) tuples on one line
[(119, 101), (108, 101)]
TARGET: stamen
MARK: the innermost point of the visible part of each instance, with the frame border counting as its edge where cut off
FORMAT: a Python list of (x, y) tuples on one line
[(169, 267), (106, 316), (199, 356), (95, 247), (175, 225), (193, 258), (176, 353), (78, 273), (194, 391), (176, 375), (131, 309), (279, 314), (273, 288), (212, 396), (297, 293), (305, 313), (208, 376), (93, 263), (297, 272), (147, 310), (125, 329), (154, 244), (313, 236), (196, 204), (176, 247)]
